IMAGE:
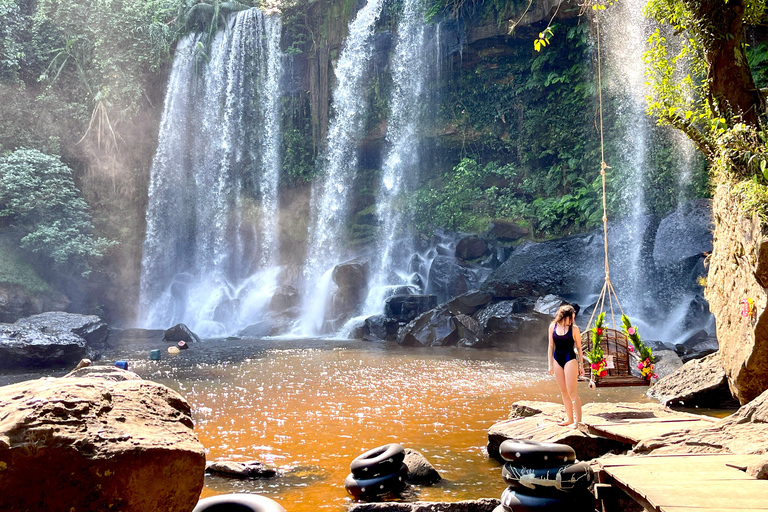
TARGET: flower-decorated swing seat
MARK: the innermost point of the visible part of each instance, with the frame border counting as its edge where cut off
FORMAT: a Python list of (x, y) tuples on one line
[(615, 345)]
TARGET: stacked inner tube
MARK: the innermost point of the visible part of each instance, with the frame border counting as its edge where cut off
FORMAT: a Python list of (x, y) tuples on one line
[(378, 472), (544, 477)]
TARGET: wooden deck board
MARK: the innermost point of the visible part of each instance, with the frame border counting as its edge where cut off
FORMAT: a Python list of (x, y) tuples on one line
[(684, 483)]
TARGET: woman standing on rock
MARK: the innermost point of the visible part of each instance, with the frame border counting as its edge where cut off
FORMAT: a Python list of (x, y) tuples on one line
[(564, 363)]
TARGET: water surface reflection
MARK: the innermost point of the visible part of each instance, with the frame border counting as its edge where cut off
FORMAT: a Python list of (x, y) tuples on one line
[(311, 406)]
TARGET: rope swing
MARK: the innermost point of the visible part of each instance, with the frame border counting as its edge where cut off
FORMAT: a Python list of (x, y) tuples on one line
[(609, 349)]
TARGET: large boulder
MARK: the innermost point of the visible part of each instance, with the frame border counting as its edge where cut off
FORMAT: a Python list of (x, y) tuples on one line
[(468, 303), (180, 332), (433, 328), (512, 323), (351, 278), (448, 278), (85, 442), (667, 362), (26, 347), (376, 328), (405, 308), (700, 382), (471, 248), (684, 233), (420, 471), (557, 267), (89, 327), (505, 230), (738, 271)]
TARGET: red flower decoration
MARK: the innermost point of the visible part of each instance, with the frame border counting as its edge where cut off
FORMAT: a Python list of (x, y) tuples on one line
[(604, 373), (599, 331)]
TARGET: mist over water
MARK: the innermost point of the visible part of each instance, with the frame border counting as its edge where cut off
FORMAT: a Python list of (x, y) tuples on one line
[(213, 207)]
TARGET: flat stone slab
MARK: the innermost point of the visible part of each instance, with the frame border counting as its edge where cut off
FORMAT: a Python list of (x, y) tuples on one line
[(537, 421), (629, 423), (233, 469), (744, 432), (606, 427), (481, 505)]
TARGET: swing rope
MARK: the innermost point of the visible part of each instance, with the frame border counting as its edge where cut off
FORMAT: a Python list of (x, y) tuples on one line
[(607, 286)]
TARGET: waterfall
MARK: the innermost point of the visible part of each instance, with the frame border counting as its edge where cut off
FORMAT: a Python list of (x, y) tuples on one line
[(210, 249), (625, 33), (413, 57), (330, 193)]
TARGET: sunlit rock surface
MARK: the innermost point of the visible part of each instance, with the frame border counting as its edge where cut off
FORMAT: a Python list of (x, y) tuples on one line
[(738, 273), (101, 439), (481, 505), (744, 432), (537, 421), (701, 382)]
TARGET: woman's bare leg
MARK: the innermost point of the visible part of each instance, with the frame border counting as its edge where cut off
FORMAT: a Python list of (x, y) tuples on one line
[(571, 377), (561, 383)]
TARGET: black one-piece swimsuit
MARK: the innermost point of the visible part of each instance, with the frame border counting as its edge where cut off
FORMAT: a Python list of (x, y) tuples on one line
[(563, 346)]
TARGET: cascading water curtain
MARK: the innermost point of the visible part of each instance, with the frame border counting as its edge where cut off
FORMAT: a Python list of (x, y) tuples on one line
[(624, 33), (331, 192), (412, 64), (213, 207)]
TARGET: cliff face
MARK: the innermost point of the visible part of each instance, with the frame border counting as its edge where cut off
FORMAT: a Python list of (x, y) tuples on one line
[(736, 291)]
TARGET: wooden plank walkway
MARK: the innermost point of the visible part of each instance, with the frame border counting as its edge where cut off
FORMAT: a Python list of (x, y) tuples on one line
[(687, 483)]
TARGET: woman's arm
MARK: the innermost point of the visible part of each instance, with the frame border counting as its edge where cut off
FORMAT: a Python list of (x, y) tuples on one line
[(577, 341), (550, 350)]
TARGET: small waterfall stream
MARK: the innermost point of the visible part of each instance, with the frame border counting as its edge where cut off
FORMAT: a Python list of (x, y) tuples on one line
[(625, 34), (212, 208), (331, 193)]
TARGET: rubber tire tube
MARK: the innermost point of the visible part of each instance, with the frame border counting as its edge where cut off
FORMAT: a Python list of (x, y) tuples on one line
[(531, 454), (573, 478), (380, 461), (514, 501), (378, 486), (238, 503)]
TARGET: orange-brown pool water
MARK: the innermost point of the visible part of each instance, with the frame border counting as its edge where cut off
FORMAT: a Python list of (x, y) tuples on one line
[(309, 407), (310, 410)]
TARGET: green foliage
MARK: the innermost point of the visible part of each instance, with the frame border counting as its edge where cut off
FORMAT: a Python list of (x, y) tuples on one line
[(468, 198), (757, 57), (596, 355), (643, 351), (43, 208), (298, 157), (15, 270)]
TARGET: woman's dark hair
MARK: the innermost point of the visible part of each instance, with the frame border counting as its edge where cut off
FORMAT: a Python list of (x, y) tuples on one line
[(565, 311)]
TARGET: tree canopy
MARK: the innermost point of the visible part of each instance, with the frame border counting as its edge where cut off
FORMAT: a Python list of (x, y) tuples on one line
[(41, 204)]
